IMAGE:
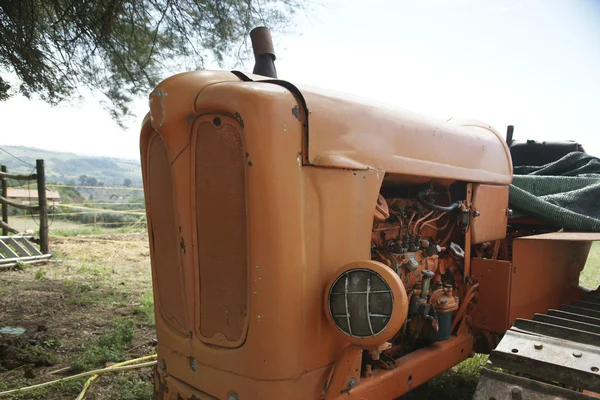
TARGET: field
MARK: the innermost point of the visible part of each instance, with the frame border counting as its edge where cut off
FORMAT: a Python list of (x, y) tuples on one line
[(93, 304), (23, 223)]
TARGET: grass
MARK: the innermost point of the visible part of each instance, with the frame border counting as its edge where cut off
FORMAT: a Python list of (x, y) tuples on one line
[(40, 274), (132, 389), (68, 389), (590, 276), (92, 231), (146, 308), (110, 347), (93, 303)]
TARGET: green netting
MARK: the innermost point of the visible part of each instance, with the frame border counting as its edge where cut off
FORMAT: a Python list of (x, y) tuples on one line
[(565, 193)]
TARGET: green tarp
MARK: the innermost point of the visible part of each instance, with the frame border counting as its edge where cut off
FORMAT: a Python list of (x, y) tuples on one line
[(565, 193)]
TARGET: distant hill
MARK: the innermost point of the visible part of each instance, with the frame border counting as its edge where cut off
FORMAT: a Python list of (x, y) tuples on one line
[(67, 168)]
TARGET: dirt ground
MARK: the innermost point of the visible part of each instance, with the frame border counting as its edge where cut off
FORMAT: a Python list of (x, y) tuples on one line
[(90, 305)]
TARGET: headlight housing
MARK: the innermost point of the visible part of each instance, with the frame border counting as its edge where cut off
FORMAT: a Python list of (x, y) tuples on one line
[(366, 302)]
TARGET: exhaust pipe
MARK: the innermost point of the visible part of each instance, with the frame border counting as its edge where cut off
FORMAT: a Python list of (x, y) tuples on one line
[(264, 54)]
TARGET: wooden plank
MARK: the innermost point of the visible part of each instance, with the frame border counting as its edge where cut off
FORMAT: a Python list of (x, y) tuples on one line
[(18, 176)]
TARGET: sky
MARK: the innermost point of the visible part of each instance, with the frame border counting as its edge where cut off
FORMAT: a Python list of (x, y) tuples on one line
[(534, 64)]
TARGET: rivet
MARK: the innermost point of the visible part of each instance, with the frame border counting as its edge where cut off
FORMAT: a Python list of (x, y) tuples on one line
[(233, 396), (577, 354), (538, 346), (516, 393), (351, 383)]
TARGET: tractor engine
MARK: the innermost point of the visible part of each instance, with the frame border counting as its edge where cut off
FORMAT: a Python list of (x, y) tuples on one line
[(414, 241), (418, 234)]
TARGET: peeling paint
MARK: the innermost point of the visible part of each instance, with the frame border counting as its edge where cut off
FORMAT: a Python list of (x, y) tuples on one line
[(296, 112), (239, 119), (182, 245), (158, 93)]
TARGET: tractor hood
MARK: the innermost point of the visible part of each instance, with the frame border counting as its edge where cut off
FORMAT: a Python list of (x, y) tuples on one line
[(342, 131)]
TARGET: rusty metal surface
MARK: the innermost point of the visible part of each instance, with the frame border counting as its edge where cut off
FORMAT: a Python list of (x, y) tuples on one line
[(581, 311), (555, 331), (574, 316), (493, 277), (542, 270), (489, 213), (561, 346), (567, 323), (547, 358), (500, 386)]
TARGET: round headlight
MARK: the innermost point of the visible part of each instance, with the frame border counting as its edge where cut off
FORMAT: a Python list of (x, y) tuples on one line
[(366, 302)]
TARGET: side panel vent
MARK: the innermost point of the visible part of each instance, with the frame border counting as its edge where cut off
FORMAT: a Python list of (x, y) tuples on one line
[(221, 231), (166, 261)]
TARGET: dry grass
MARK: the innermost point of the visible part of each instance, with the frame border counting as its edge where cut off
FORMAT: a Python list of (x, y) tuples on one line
[(79, 311)]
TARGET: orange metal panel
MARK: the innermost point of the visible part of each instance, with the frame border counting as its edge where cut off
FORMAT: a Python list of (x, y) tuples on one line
[(492, 307), (412, 370), (489, 213), (168, 278), (543, 271), (345, 132), (220, 201), (348, 133), (570, 236)]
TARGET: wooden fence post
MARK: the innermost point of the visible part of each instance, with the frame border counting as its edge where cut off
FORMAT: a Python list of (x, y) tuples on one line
[(4, 206), (43, 210)]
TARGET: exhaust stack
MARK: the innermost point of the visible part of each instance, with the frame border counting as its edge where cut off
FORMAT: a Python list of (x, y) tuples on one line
[(264, 54)]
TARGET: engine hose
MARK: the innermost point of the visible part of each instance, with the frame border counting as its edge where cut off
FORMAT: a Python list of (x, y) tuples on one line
[(463, 307), (435, 207), (91, 380)]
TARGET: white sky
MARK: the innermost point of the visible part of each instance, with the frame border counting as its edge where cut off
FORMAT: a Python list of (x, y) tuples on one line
[(531, 63)]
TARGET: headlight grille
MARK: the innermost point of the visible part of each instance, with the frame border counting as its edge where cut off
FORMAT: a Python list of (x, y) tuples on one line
[(361, 303)]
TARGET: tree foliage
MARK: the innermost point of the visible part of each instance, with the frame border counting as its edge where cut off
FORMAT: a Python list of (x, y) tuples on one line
[(121, 48)]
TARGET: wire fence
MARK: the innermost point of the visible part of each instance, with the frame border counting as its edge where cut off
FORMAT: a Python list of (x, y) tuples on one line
[(92, 211)]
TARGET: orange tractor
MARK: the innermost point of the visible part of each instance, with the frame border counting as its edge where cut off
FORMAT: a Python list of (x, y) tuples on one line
[(308, 245)]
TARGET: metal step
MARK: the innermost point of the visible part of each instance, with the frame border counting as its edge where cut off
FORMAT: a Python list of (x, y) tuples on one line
[(19, 249), (552, 356)]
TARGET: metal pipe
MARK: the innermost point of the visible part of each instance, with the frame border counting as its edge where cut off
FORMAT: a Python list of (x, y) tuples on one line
[(264, 54), (425, 282), (24, 259), (509, 134), (435, 207)]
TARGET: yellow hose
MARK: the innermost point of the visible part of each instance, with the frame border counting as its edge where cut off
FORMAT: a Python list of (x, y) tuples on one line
[(114, 368), (89, 382)]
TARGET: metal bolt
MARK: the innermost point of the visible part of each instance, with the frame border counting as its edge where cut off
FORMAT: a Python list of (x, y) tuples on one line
[(233, 396), (193, 364), (509, 212), (516, 393), (351, 383), (577, 354), (476, 214), (538, 346)]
